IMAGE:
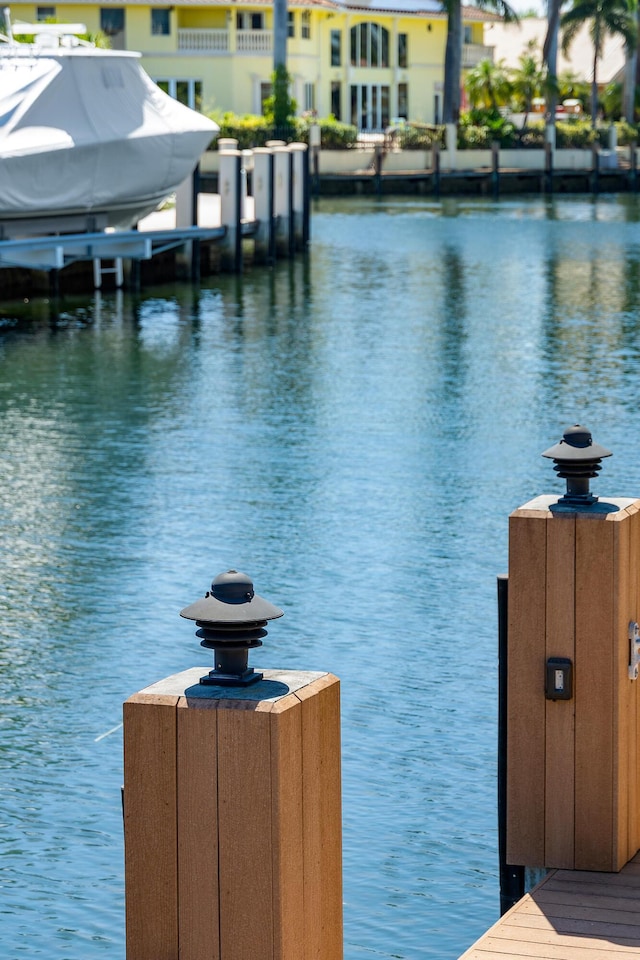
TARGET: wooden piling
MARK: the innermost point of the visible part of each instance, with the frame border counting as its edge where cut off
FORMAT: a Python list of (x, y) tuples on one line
[(495, 168), (230, 187), (435, 166), (300, 192), (233, 819), (573, 780), (595, 168), (548, 167), (282, 200), (264, 237)]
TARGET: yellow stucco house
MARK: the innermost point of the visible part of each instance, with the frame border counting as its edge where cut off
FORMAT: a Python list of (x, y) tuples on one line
[(365, 61)]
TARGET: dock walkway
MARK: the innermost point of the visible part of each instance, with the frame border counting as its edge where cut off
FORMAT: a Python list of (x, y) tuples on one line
[(570, 915)]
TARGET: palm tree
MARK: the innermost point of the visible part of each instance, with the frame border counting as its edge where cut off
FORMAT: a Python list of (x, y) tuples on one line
[(550, 57), (453, 51), (488, 85), (631, 73), (605, 18), (527, 78)]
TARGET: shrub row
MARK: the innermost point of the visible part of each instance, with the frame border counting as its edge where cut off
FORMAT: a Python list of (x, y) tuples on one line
[(254, 131), (476, 131)]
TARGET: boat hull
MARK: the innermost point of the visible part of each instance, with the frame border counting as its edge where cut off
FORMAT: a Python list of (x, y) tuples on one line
[(89, 135)]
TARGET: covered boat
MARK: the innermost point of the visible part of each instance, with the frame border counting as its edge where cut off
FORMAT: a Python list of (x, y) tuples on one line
[(86, 137)]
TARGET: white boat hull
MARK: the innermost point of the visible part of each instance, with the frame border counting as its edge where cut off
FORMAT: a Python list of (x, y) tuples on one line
[(88, 134)]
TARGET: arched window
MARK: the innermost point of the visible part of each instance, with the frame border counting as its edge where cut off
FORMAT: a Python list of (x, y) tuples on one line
[(369, 45)]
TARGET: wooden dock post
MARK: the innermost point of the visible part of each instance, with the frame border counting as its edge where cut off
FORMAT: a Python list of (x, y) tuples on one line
[(230, 188), (548, 166), (595, 167), (300, 197), (264, 237), (435, 167), (315, 143), (232, 814), (495, 168), (282, 199), (573, 771), (187, 216)]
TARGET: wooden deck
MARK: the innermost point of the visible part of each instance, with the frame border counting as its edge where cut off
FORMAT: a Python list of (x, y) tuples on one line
[(570, 915)]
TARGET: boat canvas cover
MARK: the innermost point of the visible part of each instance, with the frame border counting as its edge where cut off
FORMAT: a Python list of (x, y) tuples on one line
[(81, 130)]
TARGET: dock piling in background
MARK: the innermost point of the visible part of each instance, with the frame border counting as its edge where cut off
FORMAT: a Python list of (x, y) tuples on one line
[(282, 200), (435, 166), (595, 168), (230, 186), (548, 167), (495, 168), (299, 200), (264, 237)]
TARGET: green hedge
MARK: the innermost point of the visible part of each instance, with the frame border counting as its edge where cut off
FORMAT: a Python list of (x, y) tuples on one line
[(477, 131), (416, 136), (254, 131)]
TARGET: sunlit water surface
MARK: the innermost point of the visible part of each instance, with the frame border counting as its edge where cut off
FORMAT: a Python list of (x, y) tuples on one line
[(352, 430)]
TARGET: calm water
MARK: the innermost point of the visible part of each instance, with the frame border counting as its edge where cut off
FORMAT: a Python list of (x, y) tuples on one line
[(353, 432)]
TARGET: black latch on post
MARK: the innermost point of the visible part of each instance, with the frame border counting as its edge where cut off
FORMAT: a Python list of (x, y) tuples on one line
[(559, 679)]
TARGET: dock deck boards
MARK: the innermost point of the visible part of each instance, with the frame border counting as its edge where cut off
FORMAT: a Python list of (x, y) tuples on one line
[(570, 915)]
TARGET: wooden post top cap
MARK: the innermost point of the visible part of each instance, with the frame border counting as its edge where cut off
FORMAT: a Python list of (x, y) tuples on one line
[(274, 685)]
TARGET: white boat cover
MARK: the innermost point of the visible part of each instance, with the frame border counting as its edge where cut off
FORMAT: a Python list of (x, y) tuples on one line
[(84, 130)]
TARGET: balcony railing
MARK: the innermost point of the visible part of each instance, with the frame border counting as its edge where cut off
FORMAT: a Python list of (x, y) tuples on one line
[(217, 41), (203, 40), (473, 53), (254, 41)]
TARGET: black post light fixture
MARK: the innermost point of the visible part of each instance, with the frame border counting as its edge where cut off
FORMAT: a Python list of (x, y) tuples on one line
[(577, 459), (231, 617)]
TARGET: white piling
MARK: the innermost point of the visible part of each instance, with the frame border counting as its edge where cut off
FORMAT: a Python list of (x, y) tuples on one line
[(225, 144), (282, 200), (300, 193), (263, 180), (230, 189)]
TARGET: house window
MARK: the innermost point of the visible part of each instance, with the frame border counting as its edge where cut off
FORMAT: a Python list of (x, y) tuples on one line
[(402, 49), (370, 106), (45, 13), (291, 23), (305, 31), (403, 100), (369, 45), (112, 24), (336, 99), (160, 26), (468, 35), (188, 92), (309, 97), (336, 48), (249, 21)]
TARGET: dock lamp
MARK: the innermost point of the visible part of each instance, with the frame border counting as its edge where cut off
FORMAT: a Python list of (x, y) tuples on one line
[(577, 459), (231, 618)]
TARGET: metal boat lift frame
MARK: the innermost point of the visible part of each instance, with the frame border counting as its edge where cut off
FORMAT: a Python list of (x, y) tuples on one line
[(57, 251)]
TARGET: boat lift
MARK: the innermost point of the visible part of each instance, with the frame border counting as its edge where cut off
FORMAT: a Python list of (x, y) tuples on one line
[(57, 251)]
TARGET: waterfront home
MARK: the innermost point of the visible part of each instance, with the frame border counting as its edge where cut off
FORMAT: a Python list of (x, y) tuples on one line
[(509, 41), (366, 62)]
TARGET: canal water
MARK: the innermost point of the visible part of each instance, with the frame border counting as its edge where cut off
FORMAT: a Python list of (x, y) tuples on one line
[(352, 430)]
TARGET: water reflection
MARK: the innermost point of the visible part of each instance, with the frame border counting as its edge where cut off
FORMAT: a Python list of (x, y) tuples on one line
[(352, 430)]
